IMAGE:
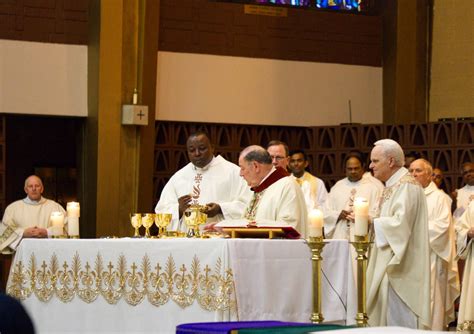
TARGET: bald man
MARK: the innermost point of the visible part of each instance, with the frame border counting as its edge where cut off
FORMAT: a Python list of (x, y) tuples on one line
[(444, 269), (27, 218)]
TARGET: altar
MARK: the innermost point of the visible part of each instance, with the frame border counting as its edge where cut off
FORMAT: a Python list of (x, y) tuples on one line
[(152, 285)]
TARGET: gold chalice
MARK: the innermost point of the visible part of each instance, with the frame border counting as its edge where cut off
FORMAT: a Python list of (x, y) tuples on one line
[(148, 220), (136, 221), (162, 220), (193, 217)]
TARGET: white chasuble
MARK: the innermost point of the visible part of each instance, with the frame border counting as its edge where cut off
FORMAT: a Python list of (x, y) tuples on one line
[(466, 252), (281, 203), (444, 271), (218, 182), (23, 214), (400, 257), (341, 197)]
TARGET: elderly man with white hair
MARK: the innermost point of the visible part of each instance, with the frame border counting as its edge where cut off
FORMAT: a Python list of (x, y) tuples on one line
[(444, 269), (398, 274), (28, 217)]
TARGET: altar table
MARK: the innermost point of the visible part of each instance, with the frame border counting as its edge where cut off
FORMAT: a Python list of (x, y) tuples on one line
[(145, 285)]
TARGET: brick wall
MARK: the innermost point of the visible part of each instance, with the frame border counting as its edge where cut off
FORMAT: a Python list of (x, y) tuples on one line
[(51, 21), (201, 26)]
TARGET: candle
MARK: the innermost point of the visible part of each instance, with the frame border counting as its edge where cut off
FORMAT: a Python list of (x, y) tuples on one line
[(57, 223), (361, 213), (315, 218), (73, 214), (73, 209)]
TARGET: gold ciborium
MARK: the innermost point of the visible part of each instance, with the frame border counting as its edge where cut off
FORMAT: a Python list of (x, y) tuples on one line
[(193, 217), (162, 220), (136, 221), (147, 221), (361, 245)]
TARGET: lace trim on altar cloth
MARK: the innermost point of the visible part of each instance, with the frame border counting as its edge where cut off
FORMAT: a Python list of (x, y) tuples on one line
[(466, 326), (214, 290)]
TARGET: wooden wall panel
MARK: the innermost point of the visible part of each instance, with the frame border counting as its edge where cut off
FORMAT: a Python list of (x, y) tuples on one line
[(51, 21), (201, 26), (446, 144)]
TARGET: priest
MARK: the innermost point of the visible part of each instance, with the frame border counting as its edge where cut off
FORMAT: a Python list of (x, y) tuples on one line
[(444, 268), (208, 180), (27, 218), (465, 194), (338, 209), (398, 274), (277, 198), (465, 237)]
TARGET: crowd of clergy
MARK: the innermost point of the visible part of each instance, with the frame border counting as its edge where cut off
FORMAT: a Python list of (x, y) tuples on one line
[(419, 231)]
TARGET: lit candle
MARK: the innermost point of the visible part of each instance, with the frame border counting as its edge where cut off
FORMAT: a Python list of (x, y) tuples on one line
[(361, 213), (315, 218), (73, 209), (57, 223), (73, 213)]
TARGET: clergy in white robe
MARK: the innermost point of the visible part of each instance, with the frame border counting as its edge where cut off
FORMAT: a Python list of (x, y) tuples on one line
[(338, 209), (314, 190), (398, 274), (277, 198), (29, 217), (465, 237), (444, 269), (466, 193), (206, 180)]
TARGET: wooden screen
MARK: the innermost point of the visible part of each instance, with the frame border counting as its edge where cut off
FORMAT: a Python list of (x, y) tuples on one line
[(445, 144)]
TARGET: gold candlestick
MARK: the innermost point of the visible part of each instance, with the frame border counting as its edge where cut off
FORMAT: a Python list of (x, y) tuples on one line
[(361, 245), (316, 245)]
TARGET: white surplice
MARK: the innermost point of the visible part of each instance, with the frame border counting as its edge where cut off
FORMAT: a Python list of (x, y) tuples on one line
[(444, 271), (282, 203), (466, 252), (341, 197), (314, 190), (399, 259), (23, 214), (218, 182)]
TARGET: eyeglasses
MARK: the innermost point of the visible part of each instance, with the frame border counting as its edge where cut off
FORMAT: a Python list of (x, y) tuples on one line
[(277, 157)]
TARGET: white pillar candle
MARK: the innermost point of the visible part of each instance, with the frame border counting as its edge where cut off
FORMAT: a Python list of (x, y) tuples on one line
[(73, 213), (73, 209), (57, 223), (361, 214), (316, 222)]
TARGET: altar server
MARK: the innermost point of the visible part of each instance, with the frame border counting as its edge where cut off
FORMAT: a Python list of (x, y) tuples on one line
[(398, 274), (207, 180), (444, 269)]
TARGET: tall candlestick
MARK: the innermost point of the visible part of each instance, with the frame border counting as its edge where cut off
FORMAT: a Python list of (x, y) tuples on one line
[(57, 223), (361, 214), (316, 222)]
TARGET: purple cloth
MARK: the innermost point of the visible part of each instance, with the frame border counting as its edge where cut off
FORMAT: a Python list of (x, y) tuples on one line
[(226, 327)]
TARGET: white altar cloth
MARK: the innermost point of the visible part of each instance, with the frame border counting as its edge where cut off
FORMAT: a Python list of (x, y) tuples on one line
[(272, 280)]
